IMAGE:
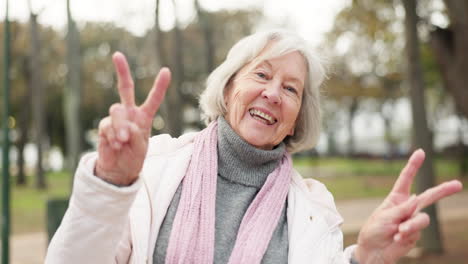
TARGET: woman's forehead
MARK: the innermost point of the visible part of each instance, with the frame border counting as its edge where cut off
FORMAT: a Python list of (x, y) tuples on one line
[(273, 61)]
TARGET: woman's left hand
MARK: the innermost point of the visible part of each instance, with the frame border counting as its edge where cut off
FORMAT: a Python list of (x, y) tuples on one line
[(395, 226)]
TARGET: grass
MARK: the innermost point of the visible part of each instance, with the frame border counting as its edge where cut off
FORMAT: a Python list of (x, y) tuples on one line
[(345, 178), (28, 205), (369, 167), (365, 178)]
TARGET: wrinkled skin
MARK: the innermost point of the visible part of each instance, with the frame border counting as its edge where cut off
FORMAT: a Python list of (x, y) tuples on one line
[(273, 87)]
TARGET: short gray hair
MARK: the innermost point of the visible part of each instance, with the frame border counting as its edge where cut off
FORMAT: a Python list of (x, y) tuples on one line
[(308, 123)]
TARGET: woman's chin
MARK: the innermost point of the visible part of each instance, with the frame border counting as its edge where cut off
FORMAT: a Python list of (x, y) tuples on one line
[(259, 141)]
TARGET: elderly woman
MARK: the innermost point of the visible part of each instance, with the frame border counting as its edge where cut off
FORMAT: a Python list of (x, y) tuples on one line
[(227, 194)]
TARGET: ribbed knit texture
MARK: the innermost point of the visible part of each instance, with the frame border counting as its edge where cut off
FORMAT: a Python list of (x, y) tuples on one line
[(241, 162), (192, 235), (236, 187)]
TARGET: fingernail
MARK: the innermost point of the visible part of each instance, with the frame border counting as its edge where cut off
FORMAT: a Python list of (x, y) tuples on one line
[(123, 134), (397, 237), (404, 228)]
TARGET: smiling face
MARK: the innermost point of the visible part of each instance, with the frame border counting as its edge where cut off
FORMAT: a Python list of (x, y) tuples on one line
[(264, 99)]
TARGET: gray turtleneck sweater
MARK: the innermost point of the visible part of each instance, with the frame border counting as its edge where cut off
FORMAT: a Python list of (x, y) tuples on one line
[(242, 171)]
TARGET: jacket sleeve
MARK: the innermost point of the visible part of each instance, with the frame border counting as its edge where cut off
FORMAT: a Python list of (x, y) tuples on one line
[(336, 243), (95, 227), (333, 241)]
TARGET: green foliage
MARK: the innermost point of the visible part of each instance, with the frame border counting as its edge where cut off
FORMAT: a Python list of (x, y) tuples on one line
[(97, 43)]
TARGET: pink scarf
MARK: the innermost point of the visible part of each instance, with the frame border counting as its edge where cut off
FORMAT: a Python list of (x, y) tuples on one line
[(192, 235)]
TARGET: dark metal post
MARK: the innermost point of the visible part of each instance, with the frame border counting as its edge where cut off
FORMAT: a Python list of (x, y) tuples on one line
[(6, 145)]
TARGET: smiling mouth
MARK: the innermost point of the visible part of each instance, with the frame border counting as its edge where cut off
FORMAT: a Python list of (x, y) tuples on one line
[(261, 116)]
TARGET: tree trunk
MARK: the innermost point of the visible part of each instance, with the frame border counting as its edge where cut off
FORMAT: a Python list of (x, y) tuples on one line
[(172, 107), (72, 95), (352, 114), (451, 53), (23, 125), (387, 116), (158, 36), (422, 138), (21, 177), (174, 97), (37, 100), (207, 30), (462, 153), (173, 119)]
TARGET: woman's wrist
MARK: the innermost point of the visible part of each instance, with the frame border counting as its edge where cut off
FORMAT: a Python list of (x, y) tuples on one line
[(115, 180), (362, 255)]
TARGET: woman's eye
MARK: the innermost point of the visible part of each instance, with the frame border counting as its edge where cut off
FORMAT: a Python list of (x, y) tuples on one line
[(261, 75), (290, 89)]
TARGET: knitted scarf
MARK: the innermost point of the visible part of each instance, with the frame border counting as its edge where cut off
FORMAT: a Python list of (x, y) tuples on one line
[(193, 231)]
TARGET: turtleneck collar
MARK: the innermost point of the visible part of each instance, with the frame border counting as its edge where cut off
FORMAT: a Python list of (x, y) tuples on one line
[(240, 162)]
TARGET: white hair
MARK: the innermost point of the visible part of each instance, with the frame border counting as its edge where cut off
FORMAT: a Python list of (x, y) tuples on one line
[(308, 123)]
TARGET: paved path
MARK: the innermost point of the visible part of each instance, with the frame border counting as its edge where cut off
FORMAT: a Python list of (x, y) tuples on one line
[(30, 248)]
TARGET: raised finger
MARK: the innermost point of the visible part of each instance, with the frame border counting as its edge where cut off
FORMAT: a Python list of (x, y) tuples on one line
[(404, 181), (438, 192), (156, 95), (124, 78)]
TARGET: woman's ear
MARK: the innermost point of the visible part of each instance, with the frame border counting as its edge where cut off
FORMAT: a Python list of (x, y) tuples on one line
[(291, 132), (226, 95), (227, 89)]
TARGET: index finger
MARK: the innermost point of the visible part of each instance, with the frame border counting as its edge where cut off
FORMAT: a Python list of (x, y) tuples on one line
[(405, 180), (124, 79), (438, 192)]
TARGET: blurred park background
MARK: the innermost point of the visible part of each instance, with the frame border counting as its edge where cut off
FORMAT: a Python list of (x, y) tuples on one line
[(398, 81)]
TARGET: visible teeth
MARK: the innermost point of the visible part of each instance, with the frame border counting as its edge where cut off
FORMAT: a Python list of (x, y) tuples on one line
[(263, 115)]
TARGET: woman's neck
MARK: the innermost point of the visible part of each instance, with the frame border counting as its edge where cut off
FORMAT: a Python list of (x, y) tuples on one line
[(240, 162)]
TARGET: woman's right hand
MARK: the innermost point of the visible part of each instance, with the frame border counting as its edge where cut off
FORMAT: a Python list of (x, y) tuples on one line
[(124, 134), (395, 226)]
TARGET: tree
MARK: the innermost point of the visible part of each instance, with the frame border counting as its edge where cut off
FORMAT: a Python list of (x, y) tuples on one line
[(173, 120), (184, 50), (72, 95), (450, 49), (23, 125), (365, 36), (422, 137), (21, 95), (207, 30), (36, 83)]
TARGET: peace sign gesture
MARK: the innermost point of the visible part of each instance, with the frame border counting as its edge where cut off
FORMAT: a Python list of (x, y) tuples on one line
[(395, 226), (124, 134)]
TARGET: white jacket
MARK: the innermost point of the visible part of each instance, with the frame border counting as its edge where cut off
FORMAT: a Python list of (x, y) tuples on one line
[(109, 224)]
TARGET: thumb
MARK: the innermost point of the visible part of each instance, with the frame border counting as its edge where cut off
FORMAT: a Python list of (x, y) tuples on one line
[(404, 210)]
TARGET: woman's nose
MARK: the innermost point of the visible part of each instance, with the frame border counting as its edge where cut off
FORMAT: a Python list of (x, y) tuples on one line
[(272, 93)]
